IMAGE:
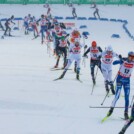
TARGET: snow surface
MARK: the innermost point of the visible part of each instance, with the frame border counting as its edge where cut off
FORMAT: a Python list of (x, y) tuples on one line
[(32, 103)]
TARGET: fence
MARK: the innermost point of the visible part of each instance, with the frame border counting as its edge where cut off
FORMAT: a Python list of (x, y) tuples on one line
[(107, 2)]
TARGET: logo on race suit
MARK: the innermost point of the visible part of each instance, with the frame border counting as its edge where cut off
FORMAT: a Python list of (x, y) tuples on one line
[(108, 56), (94, 51), (128, 65), (69, 24)]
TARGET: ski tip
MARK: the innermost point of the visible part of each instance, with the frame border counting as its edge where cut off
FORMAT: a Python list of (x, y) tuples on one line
[(124, 118), (79, 80), (104, 119), (56, 79)]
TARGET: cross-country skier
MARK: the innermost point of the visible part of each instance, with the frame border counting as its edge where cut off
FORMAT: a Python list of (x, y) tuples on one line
[(26, 23), (74, 55), (96, 12), (8, 25), (106, 67), (48, 10), (128, 122), (75, 34), (123, 80), (57, 33), (44, 26), (1, 26), (33, 24), (95, 52), (74, 12), (61, 49)]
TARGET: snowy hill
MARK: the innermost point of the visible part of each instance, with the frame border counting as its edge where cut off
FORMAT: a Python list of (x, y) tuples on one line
[(32, 103)]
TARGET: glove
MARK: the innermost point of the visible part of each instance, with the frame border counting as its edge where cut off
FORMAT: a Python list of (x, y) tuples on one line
[(37, 23), (85, 36), (99, 57), (85, 56), (85, 46), (67, 35), (62, 38), (120, 56)]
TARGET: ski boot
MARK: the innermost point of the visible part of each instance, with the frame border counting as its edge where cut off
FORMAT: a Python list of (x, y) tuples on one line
[(121, 132), (56, 66), (42, 42), (63, 74), (10, 35), (112, 87), (77, 77), (77, 73), (110, 111), (75, 67), (106, 86), (126, 115), (93, 79)]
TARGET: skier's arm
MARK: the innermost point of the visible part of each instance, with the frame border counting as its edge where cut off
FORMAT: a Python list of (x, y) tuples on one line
[(38, 20), (100, 49), (94, 6), (62, 25), (12, 22), (117, 62), (88, 50)]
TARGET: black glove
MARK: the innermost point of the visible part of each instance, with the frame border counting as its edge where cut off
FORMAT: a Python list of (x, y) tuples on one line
[(85, 46), (99, 57), (37, 23), (67, 35), (120, 56), (85, 56), (85, 36)]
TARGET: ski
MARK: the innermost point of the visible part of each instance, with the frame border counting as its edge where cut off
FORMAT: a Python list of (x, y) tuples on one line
[(92, 89), (35, 37), (104, 119), (57, 79), (124, 118), (61, 78), (11, 36), (79, 80), (105, 107), (54, 69)]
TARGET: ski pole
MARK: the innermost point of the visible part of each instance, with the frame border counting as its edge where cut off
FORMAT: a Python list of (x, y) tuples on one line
[(92, 89), (115, 78), (96, 72), (83, 61), (132, 101), (95, 79), (104, 98), (106, 107)]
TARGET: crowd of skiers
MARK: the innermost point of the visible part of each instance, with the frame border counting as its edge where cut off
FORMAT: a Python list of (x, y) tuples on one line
[(69, 46)]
